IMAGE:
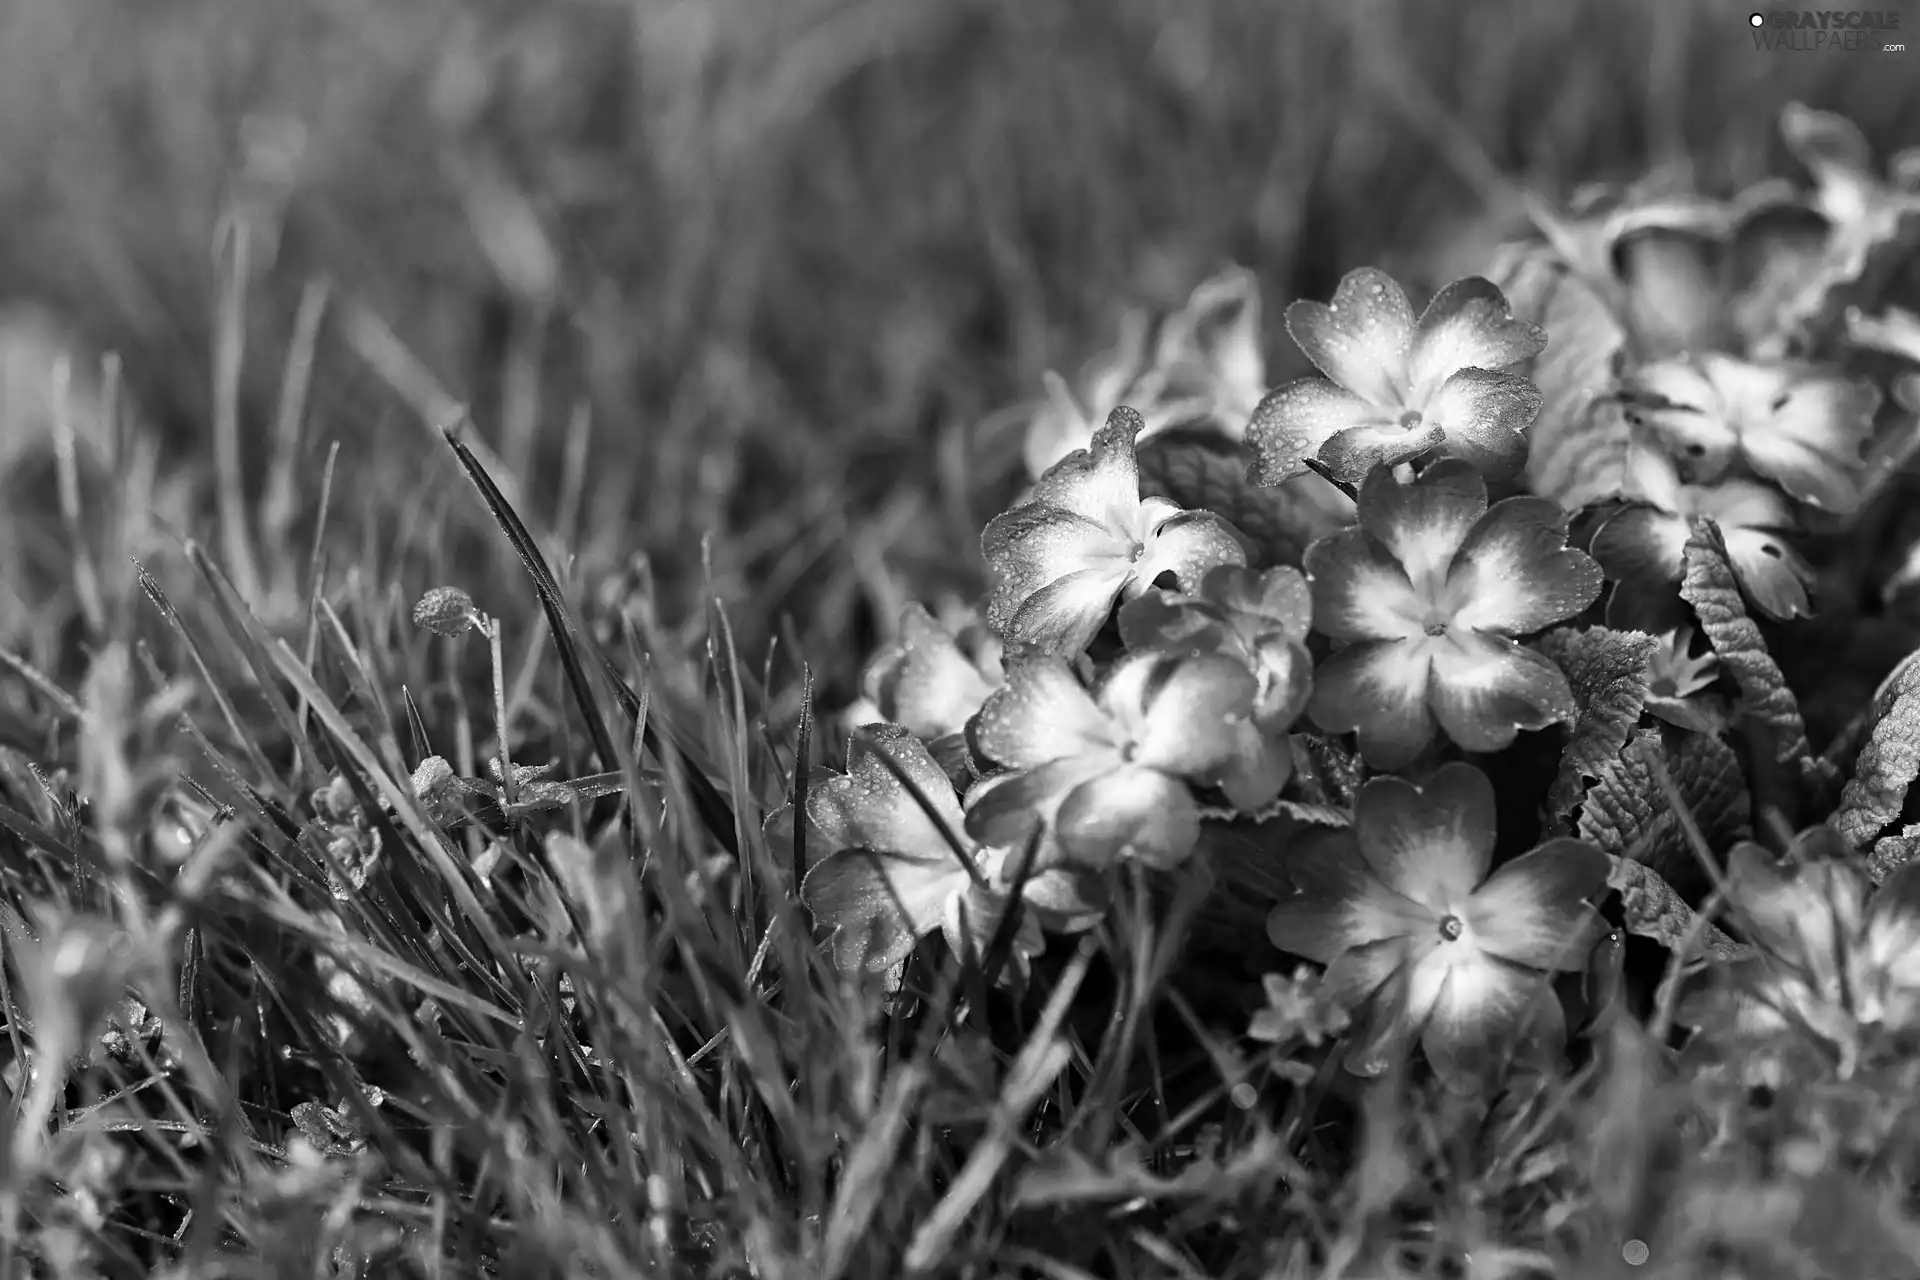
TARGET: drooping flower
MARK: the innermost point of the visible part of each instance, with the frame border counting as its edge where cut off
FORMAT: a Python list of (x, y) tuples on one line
[(1832, 955), (1087, 539), (1420, 942), (1260, 619), (902, 865), (1106, 773), (1429, 592), (1397, 387), (1792, 424), (1677, 684), (1642, 547)]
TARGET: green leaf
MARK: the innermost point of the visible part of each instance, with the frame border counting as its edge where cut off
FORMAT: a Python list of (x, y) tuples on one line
[(1653, 909), (1608, 671), (1888, 764), (1578, 445), (1625, 814), (1714, 594), (1204, 470)]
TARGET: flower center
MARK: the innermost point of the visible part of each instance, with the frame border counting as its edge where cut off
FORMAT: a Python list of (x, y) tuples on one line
[(1663, 687), (1437, 627), (1139, 549), (1451, 927), (1409, 419)]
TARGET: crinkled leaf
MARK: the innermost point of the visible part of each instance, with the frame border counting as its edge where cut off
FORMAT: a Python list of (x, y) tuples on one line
[(1890, 853), (1625, 814), (1607, 670), (1709, 586), (1203, 470), (1578, 445), (1889, 762), (1652, 909)]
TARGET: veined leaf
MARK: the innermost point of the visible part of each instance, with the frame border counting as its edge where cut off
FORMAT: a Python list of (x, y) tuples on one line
[(1608, 672), (1710, 587), (1625, 814), (1654, 910), (1888, 764)]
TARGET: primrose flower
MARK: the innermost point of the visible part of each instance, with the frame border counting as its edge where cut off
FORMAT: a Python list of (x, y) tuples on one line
[(1429, 592), (1832, 955), (900, 868), (1260, 619), (1400, 387), (1677, 684), (929, 684), (1086, 539), (1106, 773), (1802, 429), (1420, 942), (1643, 547)]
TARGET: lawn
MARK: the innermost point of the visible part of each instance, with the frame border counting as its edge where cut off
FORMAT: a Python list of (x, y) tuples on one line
[(599, 674)]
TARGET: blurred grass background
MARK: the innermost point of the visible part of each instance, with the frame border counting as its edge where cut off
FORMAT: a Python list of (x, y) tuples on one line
[(782, 256)]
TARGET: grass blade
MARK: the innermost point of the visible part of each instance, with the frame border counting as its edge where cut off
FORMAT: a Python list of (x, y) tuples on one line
[(715, 813)]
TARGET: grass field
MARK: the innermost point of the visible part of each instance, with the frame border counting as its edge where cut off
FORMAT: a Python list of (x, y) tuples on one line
[(722, 301)]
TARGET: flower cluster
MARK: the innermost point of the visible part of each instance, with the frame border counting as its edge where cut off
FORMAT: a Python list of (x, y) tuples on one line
[(1543, 571)]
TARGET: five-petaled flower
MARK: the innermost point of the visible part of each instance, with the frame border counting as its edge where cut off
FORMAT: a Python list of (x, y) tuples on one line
[(1643, 546), (1421, 942), (1401, 387), (1106, 773), (1792, 424), (1260, 619), (1086, 539), (901, 864), (1429, 592)]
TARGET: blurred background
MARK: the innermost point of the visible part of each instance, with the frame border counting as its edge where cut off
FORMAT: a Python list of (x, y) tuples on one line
[(755, 271)]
